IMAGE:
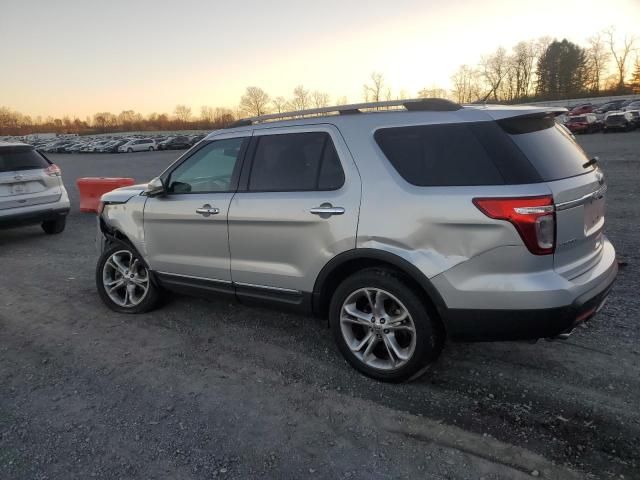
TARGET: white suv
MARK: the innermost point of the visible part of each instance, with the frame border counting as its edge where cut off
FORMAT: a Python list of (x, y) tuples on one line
[(31, 189), (138, 145)]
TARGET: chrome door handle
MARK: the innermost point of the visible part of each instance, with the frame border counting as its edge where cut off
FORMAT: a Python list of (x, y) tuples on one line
[(326, 210), (207, 210)]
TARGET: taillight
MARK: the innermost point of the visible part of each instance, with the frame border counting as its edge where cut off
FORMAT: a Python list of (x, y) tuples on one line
[(533, 217), (53, 170)]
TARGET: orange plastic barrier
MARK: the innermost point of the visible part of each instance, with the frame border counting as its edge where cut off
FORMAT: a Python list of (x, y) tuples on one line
[(92, 188)]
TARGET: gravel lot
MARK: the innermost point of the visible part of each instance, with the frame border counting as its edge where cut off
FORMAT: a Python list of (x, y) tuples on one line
[(208, 389)]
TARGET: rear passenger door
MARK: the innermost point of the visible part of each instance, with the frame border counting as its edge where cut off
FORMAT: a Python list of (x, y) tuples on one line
[(296, 208)]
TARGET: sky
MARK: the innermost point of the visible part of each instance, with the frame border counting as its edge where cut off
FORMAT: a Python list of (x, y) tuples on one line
[(79, 57)]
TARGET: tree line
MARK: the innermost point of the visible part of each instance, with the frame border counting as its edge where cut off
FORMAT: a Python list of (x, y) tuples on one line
[(534, 70)]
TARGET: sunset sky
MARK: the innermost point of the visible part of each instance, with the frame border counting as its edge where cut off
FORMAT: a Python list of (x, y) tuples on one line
[(68, 57)]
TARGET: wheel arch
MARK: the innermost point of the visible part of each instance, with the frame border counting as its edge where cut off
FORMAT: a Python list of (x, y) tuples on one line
[(347, 263)]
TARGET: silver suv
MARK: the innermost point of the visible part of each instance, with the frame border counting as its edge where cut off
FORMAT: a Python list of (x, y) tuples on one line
[(31, 189), (403, 223)]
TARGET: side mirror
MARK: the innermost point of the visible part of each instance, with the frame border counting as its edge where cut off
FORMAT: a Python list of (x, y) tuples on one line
[(156, 188)]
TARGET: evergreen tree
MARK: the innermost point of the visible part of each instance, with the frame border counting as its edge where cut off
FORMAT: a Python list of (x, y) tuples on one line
[(562, 71)]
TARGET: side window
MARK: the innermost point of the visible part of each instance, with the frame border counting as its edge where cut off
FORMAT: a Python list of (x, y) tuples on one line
[(295, 162), (211, 169)]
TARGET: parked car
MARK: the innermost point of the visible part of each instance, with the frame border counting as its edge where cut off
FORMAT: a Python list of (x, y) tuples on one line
[(587, 123), (175, 143), (31, 189), (112, 147), (581, 109), (618, 121), (635, 105), (403, 228), (138, 145), (608, 107), (635, 117), (195, 139)]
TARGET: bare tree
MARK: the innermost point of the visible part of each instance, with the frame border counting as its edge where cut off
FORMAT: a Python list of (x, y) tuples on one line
[(280, 104), (223, 117), (183, 113), (254, 102), (433, 92), (207, 114), (466, 84), (635, 76), (300, 100), (598, 58), (493, 69), (523, 61), (376, 91), (342, 100), (620, 55), (319, 99)]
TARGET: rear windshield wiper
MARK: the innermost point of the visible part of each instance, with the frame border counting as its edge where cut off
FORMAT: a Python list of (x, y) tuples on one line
[(593, 161)]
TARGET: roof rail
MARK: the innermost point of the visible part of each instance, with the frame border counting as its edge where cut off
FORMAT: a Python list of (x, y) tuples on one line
[(419, 104)]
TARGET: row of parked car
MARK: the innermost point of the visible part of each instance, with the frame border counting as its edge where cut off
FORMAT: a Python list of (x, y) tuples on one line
[(116, 144), (618, 115)]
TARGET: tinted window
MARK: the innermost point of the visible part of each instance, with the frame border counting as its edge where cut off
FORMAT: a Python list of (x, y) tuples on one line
[(210, 169), (455, 155), (553, 153), (295, 162), (14, 159)]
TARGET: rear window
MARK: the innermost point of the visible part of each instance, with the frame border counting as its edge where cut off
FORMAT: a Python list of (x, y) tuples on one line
[(518, 150), (461, 154), (15, 159), (551, 150)]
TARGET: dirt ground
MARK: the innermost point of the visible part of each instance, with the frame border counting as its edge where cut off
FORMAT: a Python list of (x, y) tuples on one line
[(206, 389)]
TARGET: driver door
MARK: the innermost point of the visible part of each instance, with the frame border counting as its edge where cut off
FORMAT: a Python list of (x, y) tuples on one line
[(186, 231)]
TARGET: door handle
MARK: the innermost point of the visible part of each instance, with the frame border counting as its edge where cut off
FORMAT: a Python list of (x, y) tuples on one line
[(207, 210), (326, 210)]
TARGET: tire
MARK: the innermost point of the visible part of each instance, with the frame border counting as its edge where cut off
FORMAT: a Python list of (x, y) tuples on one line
[(151, 149), (121, 264), (53, 227), (418, 337), (129, 150)]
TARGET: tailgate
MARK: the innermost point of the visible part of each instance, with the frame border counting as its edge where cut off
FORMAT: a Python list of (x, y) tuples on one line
[(28, 187), (580, 215)]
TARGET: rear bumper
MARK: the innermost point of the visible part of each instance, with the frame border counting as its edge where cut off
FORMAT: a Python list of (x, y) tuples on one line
[(35, 214), (33, 218), (520, 305), (530, 324)]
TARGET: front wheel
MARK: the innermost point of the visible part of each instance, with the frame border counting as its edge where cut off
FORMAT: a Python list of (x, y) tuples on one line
[(129, 150), (151, 149), (123, 281), (382, 327)]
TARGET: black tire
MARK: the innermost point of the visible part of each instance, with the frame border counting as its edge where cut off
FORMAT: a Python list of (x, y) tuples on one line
[(129, 150), (151, 149), (428, 332), (53, 227), (148, 302)]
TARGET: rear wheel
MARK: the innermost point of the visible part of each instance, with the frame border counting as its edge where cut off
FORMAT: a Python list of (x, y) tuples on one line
[(151, 149), (382, 327), (129, 150), (52, 227), (124, 282)]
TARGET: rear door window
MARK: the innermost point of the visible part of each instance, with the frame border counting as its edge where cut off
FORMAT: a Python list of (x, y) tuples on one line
[(295, 162), (17, 159)]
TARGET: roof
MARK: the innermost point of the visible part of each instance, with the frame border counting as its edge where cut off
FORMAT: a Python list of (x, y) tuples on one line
[(350, 116)]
